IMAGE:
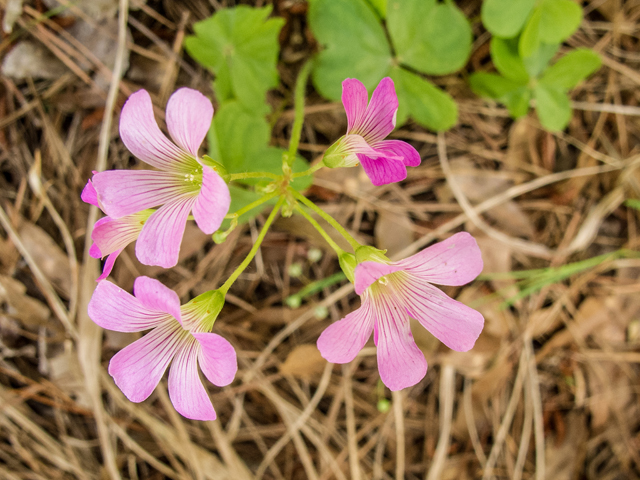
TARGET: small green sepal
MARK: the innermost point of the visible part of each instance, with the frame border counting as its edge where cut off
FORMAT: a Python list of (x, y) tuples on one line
[(348, 265), (366, 253), (217, 166), (208, 305), (337, 156)]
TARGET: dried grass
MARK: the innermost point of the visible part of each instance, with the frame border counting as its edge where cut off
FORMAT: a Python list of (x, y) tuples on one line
[(549, 391)]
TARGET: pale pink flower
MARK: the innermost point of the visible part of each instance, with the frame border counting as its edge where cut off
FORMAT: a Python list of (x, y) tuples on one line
[(384, 161), (178, 333), (183, 185), (110, 235), (391, 293)]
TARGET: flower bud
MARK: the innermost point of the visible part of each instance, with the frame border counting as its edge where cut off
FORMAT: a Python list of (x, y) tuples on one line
[(366, 253)]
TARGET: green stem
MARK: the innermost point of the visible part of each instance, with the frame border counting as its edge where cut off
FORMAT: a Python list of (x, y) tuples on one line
[(242, 176), (296, 131), (252, 253), (332, 221), (252, 205), (313, 169), (321, 230)]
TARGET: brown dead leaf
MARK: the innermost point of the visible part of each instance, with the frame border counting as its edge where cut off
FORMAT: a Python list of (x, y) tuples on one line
[(30, 311), (53, 262), (479, 185), (304, 361)]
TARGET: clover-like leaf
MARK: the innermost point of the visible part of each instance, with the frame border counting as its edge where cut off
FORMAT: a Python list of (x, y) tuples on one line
[(240, 46), (425, 102), (539, 60), (552, 22), (505, 18), (354, 45), (553, 107), (429, 36), (571, 69), (504, 53), (239, 140), (492, 85)]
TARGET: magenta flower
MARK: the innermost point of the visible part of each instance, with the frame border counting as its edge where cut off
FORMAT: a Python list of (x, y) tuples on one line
[(183, 185), (178, 334), (384, 161), (110, 236), (391, 293)]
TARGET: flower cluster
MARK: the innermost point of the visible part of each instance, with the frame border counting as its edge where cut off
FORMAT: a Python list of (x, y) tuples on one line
[(151, 208)]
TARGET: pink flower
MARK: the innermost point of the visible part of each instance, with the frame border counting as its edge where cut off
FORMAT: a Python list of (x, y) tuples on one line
[(391, 293), (109, 235), (384, 161), (178, 334), (183, 185)]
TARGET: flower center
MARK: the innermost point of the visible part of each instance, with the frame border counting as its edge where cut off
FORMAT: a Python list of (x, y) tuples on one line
[(194, 177)]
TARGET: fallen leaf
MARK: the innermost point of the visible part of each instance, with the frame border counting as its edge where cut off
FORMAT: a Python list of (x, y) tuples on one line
[(393, 232), (304, 361), (30, 311)]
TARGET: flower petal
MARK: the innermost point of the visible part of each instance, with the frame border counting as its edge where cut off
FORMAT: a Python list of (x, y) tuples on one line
[(189, 115), (125, 192), (212, 203), (108, 265), (186, 391), (89, 194), (341, 341), (454, 261), (369, 272), (142, 136), (383, 170), (379, 120), (397, 148), (94, 251), (160, 238), (451, 322), (114, 234), (114, 309), (156, 296), (354, 99), (400, 361), (217, 358), (138, 368)]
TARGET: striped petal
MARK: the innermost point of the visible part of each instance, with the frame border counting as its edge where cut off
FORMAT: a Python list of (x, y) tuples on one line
[(137, 368), (125, 192), (89, 194), (400, 361), (108, 265), (114, 309), (189, 115), (217, 358), (379, 120), (383, 170), (160, 238), (399, 149), (354, 99), (451, 322), (186, 391), (454, 261), (341, 341), (212, 203), (155, 296), (142, 136), (114, 234), (367, 273)]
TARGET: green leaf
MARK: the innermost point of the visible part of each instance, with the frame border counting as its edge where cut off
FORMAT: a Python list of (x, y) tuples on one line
[(530, 38), (504, 53), (434, 38), (505, 18), (537, 62), (559, 19), (380, 6), (241, 47), (492, 85), (553, 107), (239, 140), (517, 101), (553, 21), (425, 102), (354, 45), (571, 69)]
